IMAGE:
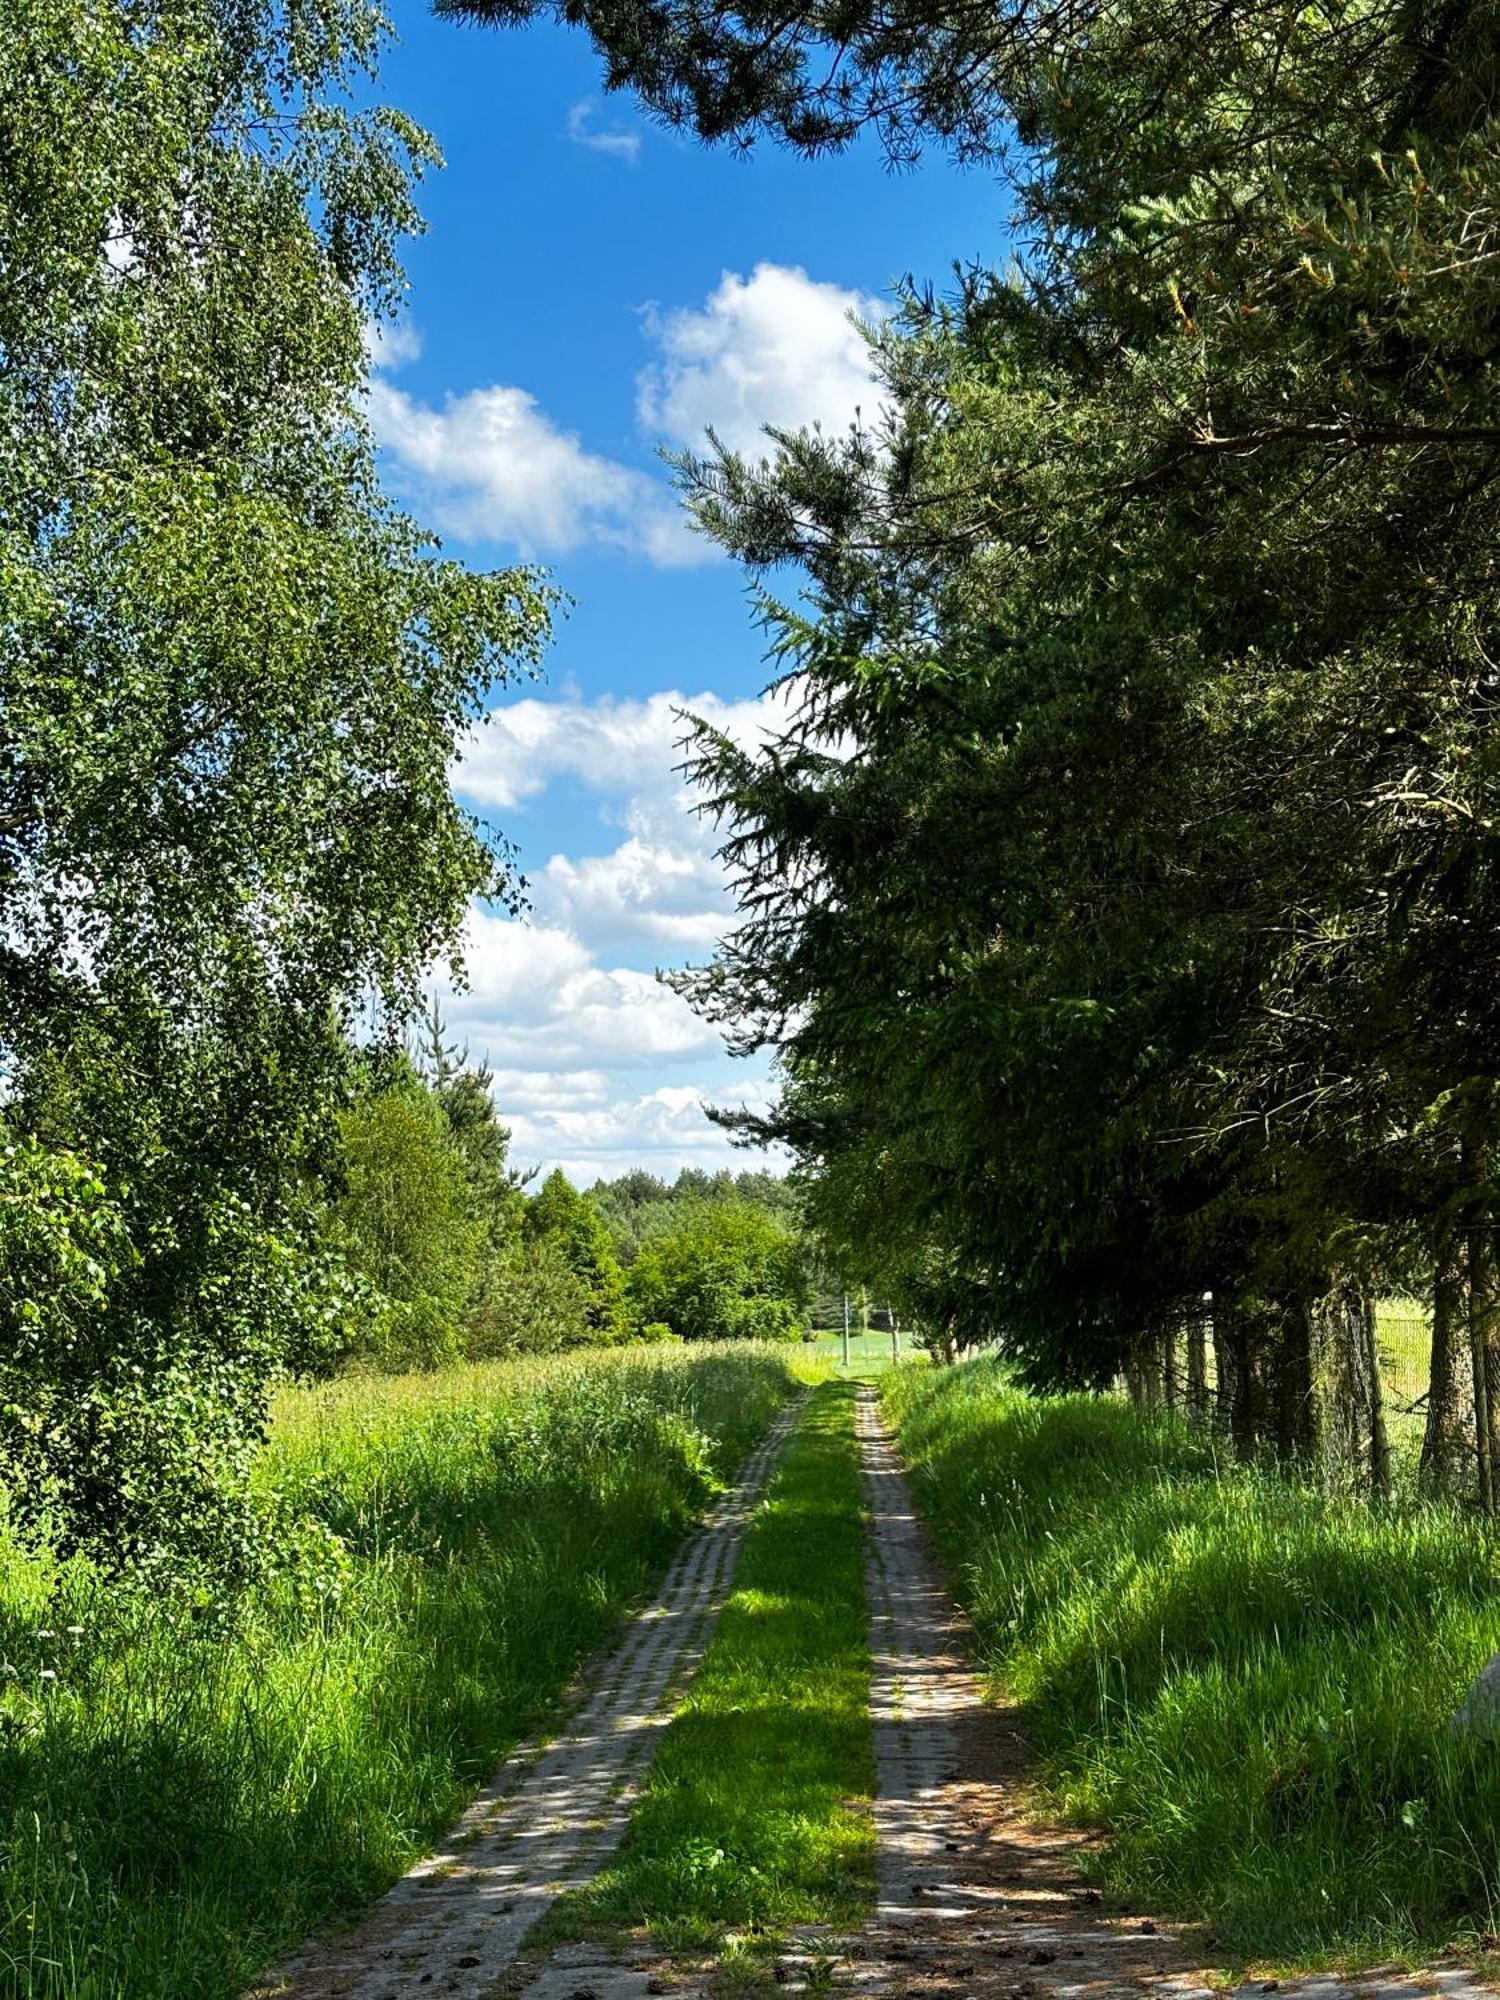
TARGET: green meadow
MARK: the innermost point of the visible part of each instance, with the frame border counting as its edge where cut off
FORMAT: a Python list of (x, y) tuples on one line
[(184, 1791)]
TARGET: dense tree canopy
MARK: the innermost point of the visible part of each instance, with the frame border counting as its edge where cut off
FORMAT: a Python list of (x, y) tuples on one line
[(232, 682), (1118, 899), (721, 1270)]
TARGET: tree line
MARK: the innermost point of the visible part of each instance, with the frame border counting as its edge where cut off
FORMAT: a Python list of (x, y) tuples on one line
[(1121, 900), (453, 1254)]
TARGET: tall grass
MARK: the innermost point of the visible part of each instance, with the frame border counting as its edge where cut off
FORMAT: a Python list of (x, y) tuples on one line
[(1247, 1684), (180, 1800)]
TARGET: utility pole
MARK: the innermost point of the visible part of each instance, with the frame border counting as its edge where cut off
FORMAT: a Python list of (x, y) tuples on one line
[(846, 1329)]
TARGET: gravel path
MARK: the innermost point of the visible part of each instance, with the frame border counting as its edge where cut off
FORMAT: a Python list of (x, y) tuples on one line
[(554, 1811), (976, 1899)]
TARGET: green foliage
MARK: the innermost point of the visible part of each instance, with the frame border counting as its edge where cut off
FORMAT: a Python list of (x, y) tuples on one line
[(748, 1817), (116, 1433), (534, 1302), (465, 1091), (722, 1270), (638, 1206), (405, 1223), (233, 681), (560, 1216), (181, 1801), (1248, 1684)]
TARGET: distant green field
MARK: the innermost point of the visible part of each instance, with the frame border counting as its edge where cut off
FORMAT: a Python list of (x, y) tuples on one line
[(1403, 1331), (869, 1353)]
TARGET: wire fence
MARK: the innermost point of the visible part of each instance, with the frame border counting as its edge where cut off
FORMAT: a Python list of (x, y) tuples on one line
[(1403, 1336)]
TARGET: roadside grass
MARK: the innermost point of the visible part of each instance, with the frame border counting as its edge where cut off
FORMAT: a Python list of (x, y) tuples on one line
[(754, 1814), (180, 1800), (1248, 1685)]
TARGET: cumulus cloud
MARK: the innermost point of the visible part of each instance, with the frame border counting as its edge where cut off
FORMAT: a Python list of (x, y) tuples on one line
[(615, 745), (492, 466), (598, 1065), (538, 998), (613, 142), (662, 1130), (776, 348), (662, 893)]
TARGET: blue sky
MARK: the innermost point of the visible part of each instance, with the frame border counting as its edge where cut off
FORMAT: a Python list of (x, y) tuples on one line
[(589, 288)]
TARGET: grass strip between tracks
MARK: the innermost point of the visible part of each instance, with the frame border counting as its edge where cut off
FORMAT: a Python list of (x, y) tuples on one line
[(754, 1815)]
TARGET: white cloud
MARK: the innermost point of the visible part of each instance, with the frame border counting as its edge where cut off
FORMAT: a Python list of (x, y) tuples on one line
[(775, 348), (492, 466), (660, 891), (391, 343), (662, 1130), (616, 144), (538, 999), (666, 893), (598, 1065), (616, 745)]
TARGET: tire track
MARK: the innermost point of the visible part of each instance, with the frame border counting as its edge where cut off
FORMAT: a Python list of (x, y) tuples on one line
[(554, 1811), (978, 1899)]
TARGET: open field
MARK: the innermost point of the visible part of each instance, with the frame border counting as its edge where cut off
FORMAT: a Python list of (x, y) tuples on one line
[(869, 1353), (181, 1799), (1246, 1684)]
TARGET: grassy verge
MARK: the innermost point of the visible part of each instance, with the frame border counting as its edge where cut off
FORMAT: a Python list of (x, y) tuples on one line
[(178, 1803), (1248, 1685), (752, 1817)]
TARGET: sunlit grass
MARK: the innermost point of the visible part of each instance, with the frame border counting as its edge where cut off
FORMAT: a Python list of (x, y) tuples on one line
[(753, 1815), (178, 1803), (1247, 1684)]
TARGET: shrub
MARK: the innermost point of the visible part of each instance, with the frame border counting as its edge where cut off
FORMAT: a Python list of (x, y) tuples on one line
[(134, 1440), (725, 1270)]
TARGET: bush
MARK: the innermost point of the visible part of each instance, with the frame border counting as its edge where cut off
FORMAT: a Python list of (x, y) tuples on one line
[(725, 1270), (132, 1439)]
